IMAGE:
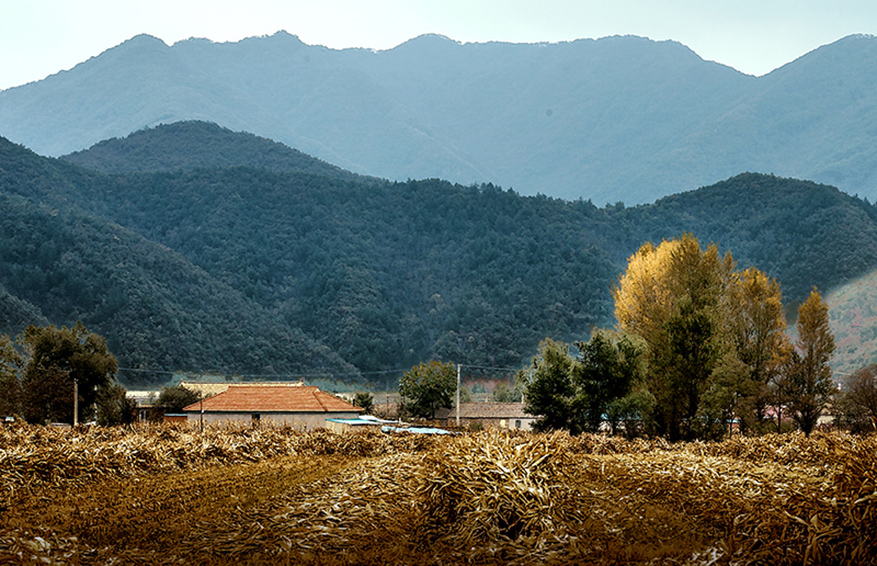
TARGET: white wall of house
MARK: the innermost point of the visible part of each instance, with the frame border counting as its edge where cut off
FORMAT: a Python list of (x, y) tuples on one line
[(307, 421)]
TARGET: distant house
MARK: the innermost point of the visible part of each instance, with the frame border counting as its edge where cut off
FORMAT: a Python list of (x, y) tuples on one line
[(294, 404), (490, 415)]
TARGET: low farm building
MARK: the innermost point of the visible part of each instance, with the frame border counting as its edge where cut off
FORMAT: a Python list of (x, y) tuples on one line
[(490, 415), (296, 405)]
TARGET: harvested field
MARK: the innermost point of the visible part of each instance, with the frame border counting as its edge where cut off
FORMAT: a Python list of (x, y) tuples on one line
[(165, 495)]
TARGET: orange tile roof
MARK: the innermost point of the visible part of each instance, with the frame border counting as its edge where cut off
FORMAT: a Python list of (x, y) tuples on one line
[(273, 399)]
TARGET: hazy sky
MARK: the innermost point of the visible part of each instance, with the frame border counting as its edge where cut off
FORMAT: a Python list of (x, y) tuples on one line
[(42, 37)]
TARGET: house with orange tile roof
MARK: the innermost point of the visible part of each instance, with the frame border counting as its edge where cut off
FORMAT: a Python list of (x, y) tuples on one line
[(293, 404)]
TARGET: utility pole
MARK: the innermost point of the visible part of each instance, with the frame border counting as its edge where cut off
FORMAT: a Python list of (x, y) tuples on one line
[(75, 402), (459, 367)]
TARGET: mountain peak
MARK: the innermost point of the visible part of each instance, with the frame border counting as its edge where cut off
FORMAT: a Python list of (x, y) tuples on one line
[(141, 41), (285, 35), (428, 41)]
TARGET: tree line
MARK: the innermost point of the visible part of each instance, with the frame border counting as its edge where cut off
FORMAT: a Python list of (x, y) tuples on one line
[(699, 346)]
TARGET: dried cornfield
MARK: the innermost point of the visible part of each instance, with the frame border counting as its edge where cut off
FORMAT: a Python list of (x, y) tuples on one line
[(170, 495)]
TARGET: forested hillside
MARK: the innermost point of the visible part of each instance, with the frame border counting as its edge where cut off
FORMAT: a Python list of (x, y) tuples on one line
[(615, 119), (16, 314), (249, 269), (386, 274), (158, 311), (199, 145), (800, 232)]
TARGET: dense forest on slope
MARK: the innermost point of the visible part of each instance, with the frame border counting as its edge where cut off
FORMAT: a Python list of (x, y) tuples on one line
[(615, 119), (157, 310), (799, 232), (237, 266), (16, 314)]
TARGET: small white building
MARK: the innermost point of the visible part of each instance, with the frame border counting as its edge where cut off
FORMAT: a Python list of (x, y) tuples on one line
[(296, 405), (363, 423)]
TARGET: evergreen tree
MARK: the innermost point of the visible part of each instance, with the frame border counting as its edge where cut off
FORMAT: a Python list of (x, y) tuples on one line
[(550, 388), (607, 372), (579, 393), (364, 400)]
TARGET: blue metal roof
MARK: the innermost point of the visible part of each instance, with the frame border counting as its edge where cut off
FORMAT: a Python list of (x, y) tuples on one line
[(362, 420)]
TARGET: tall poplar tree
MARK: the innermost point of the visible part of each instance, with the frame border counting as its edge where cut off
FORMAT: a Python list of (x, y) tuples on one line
[(672, 296), (807, 385), (757, 332)]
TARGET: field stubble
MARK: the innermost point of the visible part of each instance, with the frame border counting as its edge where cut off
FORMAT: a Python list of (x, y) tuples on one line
[(164, 495)]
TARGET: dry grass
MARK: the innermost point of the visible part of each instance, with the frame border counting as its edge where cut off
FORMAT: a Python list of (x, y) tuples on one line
[(243, 496)]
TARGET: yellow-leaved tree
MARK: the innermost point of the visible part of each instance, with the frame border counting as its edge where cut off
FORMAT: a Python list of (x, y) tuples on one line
[(714, 335), (808, 387), (757, 327)]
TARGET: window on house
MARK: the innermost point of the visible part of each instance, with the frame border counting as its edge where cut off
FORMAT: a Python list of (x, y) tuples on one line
[(517, 424)]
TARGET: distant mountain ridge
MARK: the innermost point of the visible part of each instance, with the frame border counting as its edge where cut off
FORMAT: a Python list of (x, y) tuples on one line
[(616, 119), (246, 269)]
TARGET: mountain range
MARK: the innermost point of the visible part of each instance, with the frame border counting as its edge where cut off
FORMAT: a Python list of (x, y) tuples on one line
[(619, 119), (193, 247)]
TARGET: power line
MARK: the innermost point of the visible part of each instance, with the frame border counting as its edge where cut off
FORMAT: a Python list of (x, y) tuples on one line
[(258, 375), (303, 374), (489, 368)]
